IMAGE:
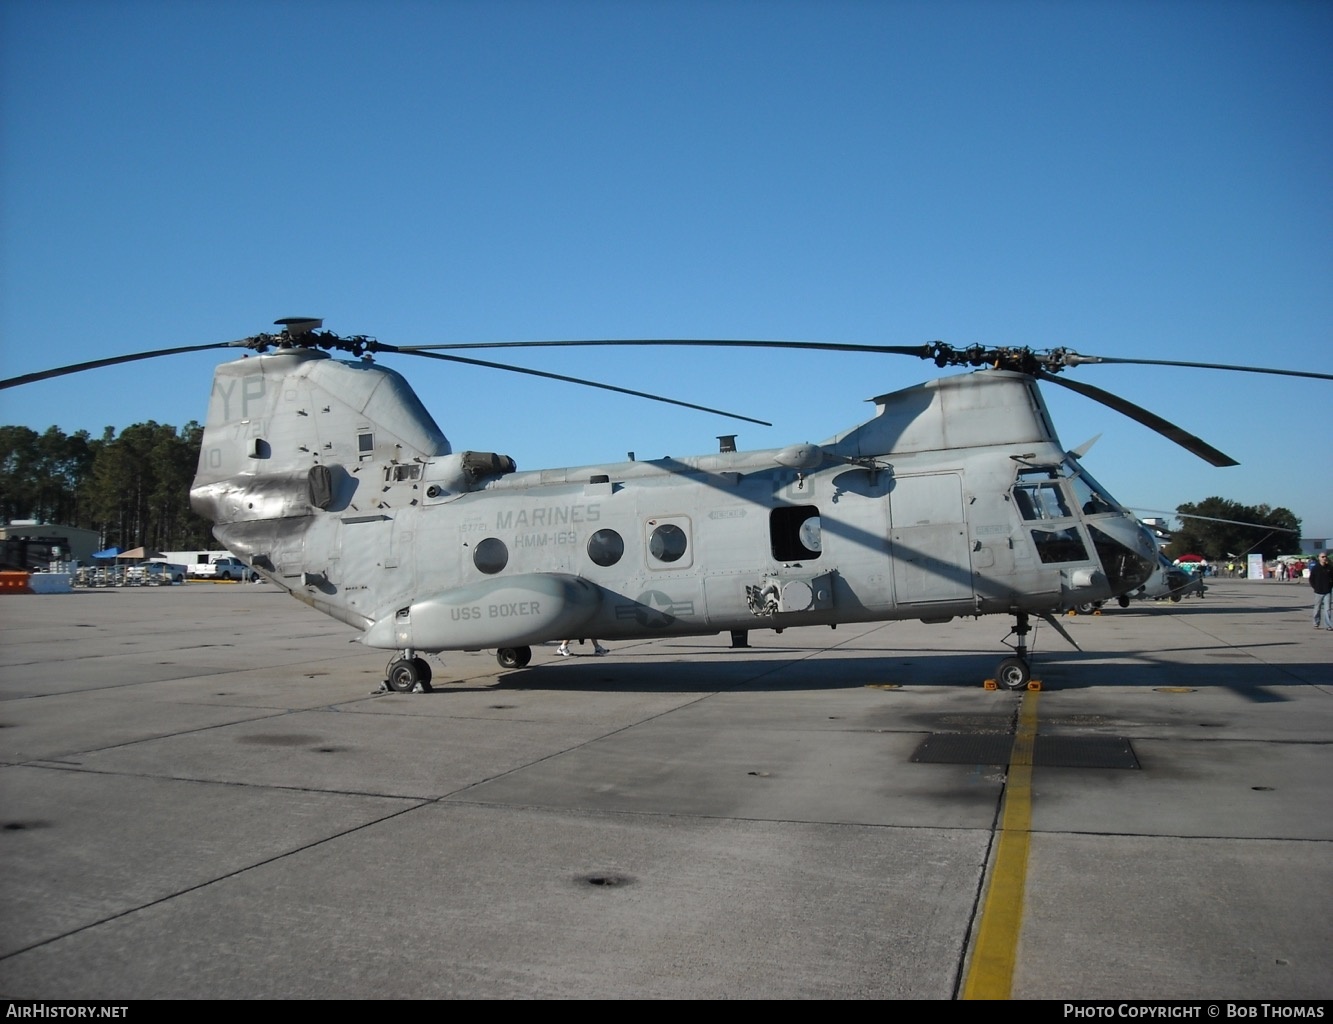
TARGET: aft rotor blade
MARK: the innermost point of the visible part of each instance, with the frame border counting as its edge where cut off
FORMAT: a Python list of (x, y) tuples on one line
[(417, 351), (920, 351), (32, 378), (1074, 359), (1150, 420)]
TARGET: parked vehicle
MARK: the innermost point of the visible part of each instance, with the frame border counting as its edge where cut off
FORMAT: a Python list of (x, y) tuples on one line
[(225, 568), (163, 573)]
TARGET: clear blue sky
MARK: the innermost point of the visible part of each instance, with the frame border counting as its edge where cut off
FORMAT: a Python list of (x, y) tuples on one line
[(1125, 178)]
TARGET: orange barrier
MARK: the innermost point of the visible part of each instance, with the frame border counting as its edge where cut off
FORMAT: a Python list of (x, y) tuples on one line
[(15, 583)]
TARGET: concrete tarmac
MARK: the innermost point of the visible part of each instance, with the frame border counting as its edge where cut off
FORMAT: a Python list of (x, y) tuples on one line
[(201, 797)]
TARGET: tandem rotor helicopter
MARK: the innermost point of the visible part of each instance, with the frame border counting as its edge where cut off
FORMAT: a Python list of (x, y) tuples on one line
[(331, 479)]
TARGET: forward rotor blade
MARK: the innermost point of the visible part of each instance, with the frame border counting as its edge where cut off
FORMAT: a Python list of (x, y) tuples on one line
[(920, 351), (1055, 624), (1150, 420), (418, 351), (1214, 519), (1021, 359), (1074, 359), (32, 378)]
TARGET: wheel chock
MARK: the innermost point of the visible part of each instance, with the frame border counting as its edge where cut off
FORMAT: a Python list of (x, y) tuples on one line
[(991, 684)]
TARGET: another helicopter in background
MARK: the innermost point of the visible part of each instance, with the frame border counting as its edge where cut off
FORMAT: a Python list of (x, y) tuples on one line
[(331, 479)]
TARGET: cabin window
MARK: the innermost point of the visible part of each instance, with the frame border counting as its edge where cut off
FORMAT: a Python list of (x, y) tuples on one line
[(795, 533), (605, 547), (402, 471), (490, 556), (1060, 545), (668, 543)]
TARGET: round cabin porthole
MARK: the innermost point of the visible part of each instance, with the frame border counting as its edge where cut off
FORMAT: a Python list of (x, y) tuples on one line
[(605, 547), (667, 544), (490, 556)]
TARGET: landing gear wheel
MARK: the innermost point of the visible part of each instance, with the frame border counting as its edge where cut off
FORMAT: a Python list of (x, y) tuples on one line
[(514, 657), (1123, 600), (1175, 599), (1086, 608), (1013, 674), (405, 674)]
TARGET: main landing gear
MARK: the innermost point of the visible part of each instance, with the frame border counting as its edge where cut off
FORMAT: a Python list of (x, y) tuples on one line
[(513, 657), (1015, 673), (408, 672)]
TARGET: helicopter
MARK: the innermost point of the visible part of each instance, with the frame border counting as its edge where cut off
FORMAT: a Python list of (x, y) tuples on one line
[(330, 479)]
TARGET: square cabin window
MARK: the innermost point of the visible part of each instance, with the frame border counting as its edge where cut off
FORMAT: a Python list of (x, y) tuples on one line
[(795, 533)]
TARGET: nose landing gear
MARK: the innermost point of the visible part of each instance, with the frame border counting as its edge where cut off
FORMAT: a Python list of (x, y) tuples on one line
[(1014, 673)]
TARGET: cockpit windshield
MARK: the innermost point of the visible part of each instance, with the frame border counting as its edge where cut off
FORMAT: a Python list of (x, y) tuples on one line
[(1088, 493), (1039, 493), (1090, 501)]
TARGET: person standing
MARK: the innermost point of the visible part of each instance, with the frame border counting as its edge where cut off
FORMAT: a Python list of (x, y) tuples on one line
[(563, 649), (1321, 582)]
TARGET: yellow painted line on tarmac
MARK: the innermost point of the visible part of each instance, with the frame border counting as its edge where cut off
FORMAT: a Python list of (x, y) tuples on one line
[(990, 974)]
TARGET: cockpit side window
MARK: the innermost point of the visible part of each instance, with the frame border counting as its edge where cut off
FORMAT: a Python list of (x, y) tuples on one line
[(1038, 495)]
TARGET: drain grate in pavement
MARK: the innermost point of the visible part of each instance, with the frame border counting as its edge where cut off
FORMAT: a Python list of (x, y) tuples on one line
[(1084, 752), (964, 748), (1047, 751)]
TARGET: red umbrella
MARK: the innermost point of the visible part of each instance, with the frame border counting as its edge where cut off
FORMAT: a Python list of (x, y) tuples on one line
[(1191, 558)]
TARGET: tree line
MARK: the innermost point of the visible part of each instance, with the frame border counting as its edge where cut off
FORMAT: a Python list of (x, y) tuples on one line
[(1229, 530), (132, 488)]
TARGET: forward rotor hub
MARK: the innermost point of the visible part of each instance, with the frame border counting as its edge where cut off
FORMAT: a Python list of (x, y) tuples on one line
[(1019, 360), (300, 335)]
